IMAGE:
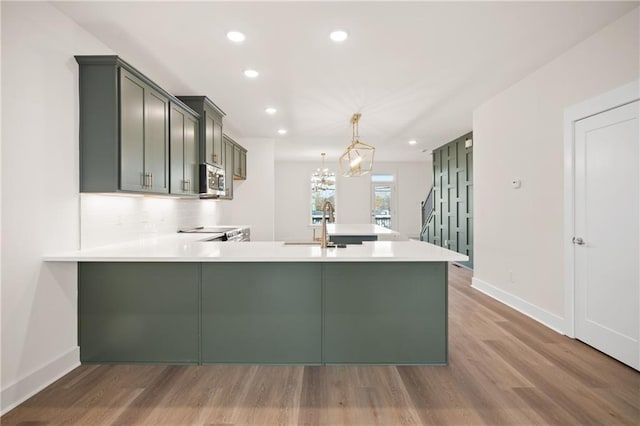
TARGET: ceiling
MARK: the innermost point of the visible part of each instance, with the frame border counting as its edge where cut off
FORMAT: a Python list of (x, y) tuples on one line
[(415, 70)]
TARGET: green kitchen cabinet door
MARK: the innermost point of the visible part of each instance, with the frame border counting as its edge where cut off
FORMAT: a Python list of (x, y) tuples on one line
[(210, 149), (144, 136), (228, 167), (209, 124), (243, 164), (156, 141), (177, 181), (385, 313), (132, 100), (138, 312), (261, 313), (184, 153), (191, 154), (237, 168), (217, 141)]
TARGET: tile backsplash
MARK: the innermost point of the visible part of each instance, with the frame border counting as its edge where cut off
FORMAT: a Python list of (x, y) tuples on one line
[(108, 219)]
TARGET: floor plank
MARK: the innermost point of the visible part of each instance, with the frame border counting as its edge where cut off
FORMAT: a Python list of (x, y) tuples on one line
[(504, 368)]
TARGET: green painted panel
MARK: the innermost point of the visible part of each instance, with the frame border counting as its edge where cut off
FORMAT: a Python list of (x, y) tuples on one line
[(138, 312), (451, 225), (99, 155), (385, 313), (261, 313)]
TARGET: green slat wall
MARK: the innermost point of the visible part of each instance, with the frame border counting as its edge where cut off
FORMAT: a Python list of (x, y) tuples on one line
[(452, 222)]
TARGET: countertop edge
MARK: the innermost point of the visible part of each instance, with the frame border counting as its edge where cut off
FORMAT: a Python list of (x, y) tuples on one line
[(71, 259)]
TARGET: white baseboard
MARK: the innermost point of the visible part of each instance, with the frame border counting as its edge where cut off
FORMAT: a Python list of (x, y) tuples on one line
[(17, 392), (544, 317)]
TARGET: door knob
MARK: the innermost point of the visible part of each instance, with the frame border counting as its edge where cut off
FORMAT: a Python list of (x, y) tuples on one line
[(577, 240)]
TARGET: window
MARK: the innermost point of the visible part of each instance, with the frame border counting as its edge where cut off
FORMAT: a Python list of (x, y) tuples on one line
[(382, 200), (323, 188), (381, 178)]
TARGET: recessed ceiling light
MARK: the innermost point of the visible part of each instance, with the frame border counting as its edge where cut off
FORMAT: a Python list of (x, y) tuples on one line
[(251, 73), (270, 110), (413, 142), (338, 36), (236, 36), (282, 131)]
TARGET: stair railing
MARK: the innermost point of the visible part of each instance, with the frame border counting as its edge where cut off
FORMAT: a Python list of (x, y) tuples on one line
[(426, 211)]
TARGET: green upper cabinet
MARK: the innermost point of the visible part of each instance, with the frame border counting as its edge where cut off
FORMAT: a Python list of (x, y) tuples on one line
[(239, 163), (235, 164), (210, 145), (124, 128), (228, 148), (184, 151), (143, 136)]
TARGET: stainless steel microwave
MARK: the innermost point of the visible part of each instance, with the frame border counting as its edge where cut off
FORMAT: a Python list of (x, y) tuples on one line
[(211, 181)]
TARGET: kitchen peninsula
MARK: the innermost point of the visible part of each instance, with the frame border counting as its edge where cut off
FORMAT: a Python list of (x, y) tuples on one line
[(178, 299)]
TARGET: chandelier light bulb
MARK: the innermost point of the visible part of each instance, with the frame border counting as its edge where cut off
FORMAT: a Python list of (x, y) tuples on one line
[(355, 161), (236, 36), (251, 73), (338, 36)]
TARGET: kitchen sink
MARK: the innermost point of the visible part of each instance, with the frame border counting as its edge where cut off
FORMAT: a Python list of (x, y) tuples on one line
[(301, 243), (311, 244)]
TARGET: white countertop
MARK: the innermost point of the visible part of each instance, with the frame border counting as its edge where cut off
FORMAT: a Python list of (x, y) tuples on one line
[(191, 248)]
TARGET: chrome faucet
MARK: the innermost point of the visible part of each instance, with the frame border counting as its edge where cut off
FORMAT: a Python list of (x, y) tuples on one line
[(326, 206)]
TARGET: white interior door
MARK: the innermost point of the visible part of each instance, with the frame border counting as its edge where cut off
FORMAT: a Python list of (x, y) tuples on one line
[(607, 231)]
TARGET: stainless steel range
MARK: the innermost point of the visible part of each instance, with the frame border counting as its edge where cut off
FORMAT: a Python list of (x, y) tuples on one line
[(221, 233)]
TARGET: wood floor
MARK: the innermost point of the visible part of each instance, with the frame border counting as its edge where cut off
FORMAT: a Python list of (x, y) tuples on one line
[(505, 369)]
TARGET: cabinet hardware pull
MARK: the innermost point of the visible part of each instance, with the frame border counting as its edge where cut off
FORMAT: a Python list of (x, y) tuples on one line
[(146, 182), (150, 180)]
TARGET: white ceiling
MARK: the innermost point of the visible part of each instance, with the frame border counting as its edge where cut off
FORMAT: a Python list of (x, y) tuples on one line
[(416, 70)]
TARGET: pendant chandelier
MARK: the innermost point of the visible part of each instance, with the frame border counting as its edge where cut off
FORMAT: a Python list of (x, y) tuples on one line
[(357, 160), (322, 179)]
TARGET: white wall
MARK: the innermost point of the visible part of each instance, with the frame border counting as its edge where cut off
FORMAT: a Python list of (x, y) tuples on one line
[(41, 209), (39, 194), (519, 134), (353, 197), (254, 198)]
